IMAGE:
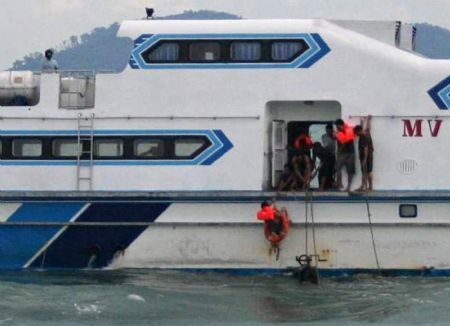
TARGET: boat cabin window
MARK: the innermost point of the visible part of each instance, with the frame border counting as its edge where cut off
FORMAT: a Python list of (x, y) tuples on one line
[(148, 148), (125, 147), (27, 147), (245, 51), (108, 147), (186, 147), (204, 51), (286, 51), (66, 148), (165, 52)]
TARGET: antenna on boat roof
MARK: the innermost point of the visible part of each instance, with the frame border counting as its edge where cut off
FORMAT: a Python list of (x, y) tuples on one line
[(150, 12)]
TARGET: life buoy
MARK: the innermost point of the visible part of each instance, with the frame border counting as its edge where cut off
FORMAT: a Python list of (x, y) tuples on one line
[(276, 238)]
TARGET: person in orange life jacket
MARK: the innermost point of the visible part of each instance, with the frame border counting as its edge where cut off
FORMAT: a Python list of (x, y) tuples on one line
[(302, 166), (271, 216), (346, 152), (365, 148), (303, 141)]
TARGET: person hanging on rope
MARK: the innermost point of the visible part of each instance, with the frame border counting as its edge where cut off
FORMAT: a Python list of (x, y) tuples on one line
[(276, 222), (365, 148)]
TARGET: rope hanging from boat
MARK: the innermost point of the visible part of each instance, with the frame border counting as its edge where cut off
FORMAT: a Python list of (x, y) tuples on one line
[(369, 217)]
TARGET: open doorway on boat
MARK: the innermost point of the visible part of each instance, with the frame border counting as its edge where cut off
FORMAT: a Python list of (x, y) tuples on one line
[(285, 122)]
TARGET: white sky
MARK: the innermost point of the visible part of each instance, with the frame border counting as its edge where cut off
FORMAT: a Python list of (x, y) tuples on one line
[(34, 25)]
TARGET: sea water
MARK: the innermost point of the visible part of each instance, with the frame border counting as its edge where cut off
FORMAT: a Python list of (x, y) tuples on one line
[(142, 297)]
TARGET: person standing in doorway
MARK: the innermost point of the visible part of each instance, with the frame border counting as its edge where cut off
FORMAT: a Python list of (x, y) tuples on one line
[(346, 152), (302, 166), (365, 148), (328, 139)]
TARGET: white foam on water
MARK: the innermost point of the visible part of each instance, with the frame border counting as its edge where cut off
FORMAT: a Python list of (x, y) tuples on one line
[(135, 297), (87, 308), (2, 321)]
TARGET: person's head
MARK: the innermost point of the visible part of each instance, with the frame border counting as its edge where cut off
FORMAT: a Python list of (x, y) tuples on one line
[(329, 129), (339, 123), (49, 54), (264, 204), (358, 130)]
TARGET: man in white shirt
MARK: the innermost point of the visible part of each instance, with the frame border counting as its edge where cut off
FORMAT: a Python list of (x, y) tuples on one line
[(49, 64)]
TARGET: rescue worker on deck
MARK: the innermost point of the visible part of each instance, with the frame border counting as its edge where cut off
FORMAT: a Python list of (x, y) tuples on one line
[(346, 153)]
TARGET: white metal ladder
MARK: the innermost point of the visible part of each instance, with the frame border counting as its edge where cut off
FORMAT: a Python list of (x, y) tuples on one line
[(85, 143)]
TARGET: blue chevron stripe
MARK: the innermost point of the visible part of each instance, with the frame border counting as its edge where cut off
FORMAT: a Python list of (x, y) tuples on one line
[(18, 244), (316, 51), (441, 94), (220, 145), (226, 146), (75, 247)]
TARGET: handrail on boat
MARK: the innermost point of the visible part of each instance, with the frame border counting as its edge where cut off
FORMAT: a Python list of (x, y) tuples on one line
[(256, 117)]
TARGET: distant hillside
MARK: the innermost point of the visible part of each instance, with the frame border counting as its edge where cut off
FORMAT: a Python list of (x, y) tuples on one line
[(202, 14), (100, 49), (433, 41)]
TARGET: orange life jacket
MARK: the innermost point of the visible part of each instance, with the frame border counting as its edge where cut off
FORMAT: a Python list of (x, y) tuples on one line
[(305, 139), (345, 136), (266, 214)]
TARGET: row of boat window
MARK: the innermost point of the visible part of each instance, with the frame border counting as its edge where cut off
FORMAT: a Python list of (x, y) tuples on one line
[(182, 51), (151, 148)]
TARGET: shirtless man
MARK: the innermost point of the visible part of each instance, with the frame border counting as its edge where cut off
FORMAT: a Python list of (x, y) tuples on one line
[(365, 148)]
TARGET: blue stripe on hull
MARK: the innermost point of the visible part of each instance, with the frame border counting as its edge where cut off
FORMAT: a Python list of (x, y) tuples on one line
[(78, 244), (18, 244)]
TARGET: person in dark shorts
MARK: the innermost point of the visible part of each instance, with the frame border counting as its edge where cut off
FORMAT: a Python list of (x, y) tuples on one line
[(325, 168), (346, 152), (365, 148), (287, 179)]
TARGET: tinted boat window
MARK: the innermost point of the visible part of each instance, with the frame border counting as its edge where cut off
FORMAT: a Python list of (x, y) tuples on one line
[(186, 147), (148, 147), (27, 147), (204, 51), (285, 51), (166, 52), (245, 51), (108, 147), (66, 147)]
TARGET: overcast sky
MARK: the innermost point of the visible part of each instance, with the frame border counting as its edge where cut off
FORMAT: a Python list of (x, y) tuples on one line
[(33, 25)]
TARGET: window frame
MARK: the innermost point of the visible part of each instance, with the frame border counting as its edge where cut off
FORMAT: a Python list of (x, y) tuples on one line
[(220, 47), (304, 48), (403, 215), (145, 55), (143, 139), (39, 140), (108, 139), (65, 157), (206, 144), (261, 51)]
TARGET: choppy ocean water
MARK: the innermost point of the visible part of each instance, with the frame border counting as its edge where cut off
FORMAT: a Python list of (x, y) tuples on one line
[(131, 297)]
